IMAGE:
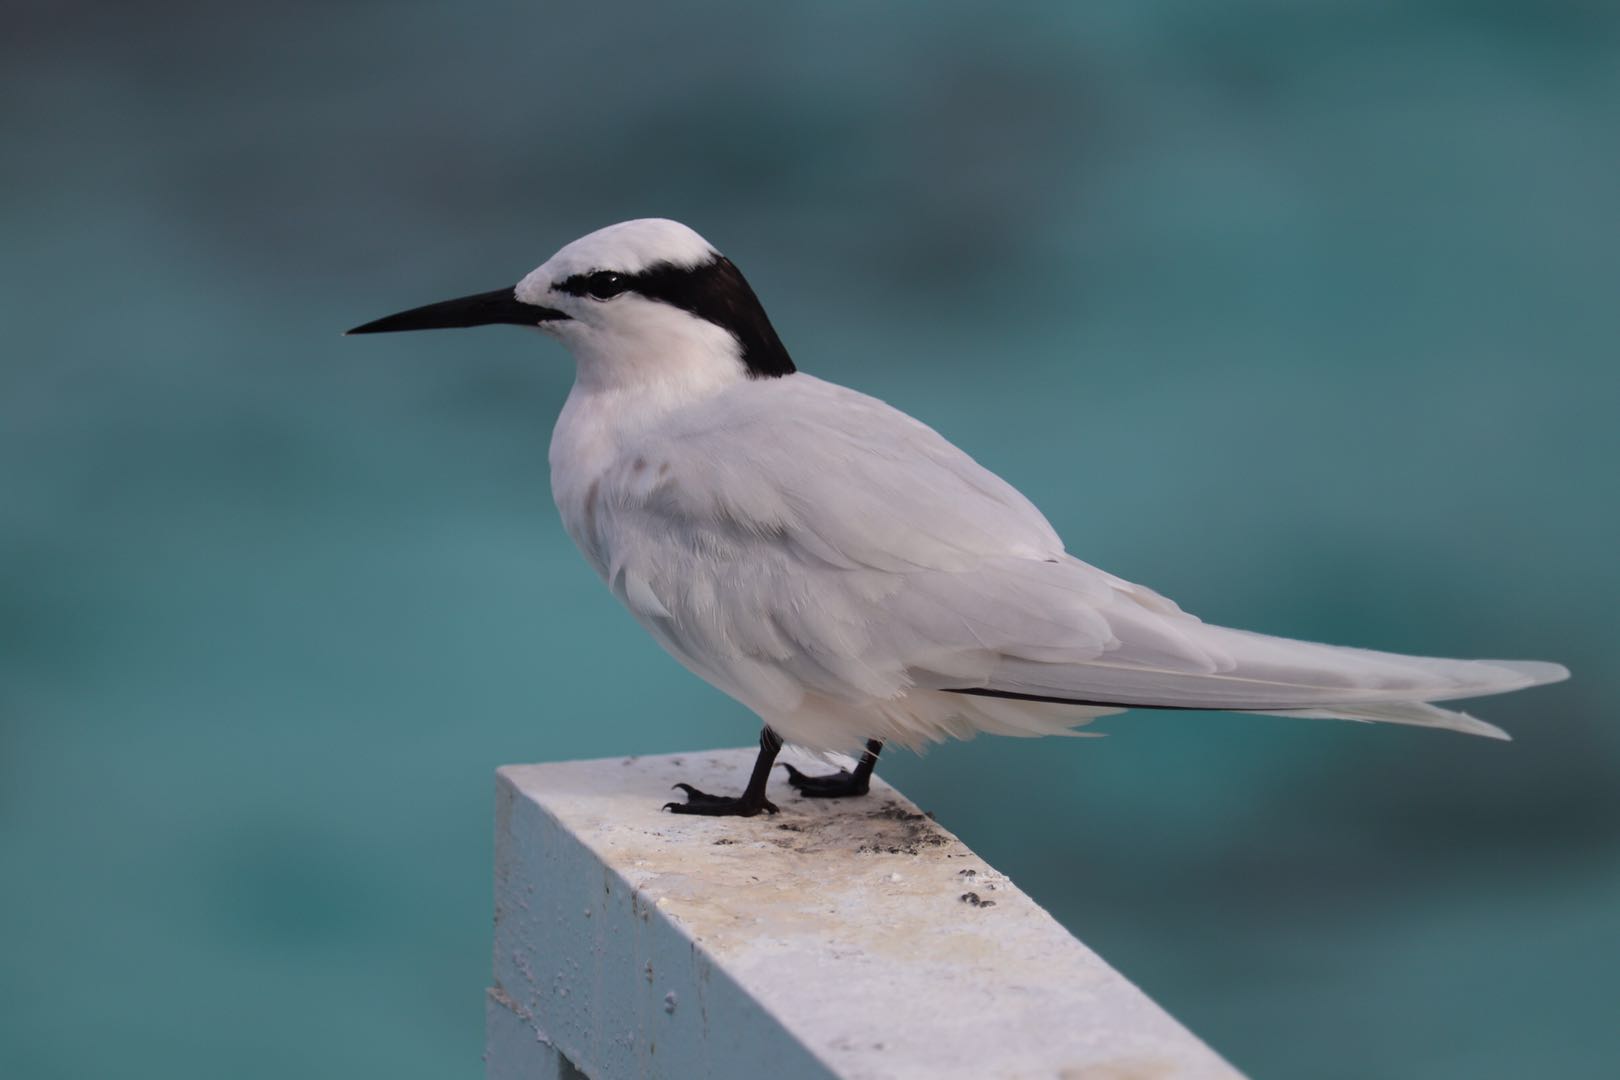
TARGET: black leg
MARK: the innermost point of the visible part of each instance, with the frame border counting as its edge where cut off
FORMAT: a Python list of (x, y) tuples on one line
[(841, 784), (752, 801)]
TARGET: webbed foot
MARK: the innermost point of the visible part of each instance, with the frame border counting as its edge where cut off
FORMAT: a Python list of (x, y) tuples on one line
[(701, 802), (842, 784)]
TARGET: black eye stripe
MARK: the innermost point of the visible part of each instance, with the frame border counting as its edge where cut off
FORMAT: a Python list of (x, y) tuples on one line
[(599, 284), (714, 290)]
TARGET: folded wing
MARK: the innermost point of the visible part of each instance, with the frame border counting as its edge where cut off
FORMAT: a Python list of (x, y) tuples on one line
[(831, 545)]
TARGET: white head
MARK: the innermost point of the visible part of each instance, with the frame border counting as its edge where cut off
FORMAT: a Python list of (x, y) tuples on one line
[(639, 302)]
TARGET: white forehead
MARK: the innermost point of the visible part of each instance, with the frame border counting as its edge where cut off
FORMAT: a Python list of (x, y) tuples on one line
[(628, 247)]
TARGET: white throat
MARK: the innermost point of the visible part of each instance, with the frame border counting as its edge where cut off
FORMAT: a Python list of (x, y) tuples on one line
[(650, 347)]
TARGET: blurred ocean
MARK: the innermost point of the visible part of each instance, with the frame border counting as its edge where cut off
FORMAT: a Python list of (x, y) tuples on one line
[(1303, 314)]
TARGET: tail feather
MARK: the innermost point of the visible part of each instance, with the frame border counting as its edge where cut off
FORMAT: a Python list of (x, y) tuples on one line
[(1415, 713), (1258, 673)]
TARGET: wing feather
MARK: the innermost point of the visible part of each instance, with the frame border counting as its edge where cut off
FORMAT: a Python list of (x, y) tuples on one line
[(803, 538)]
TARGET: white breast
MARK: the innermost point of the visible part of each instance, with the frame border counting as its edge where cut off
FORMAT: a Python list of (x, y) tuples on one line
[(607, 454)]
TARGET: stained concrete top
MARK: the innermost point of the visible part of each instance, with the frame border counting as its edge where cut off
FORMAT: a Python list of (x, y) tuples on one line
[(869, 932)]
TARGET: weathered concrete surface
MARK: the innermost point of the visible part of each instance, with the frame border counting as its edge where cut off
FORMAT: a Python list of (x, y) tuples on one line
[(851, 938), (515, 1047)]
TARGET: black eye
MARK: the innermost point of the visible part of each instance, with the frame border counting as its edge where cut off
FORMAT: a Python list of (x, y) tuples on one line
[(604, 284)]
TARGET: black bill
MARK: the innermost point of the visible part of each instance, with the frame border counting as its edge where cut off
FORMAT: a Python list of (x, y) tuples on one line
[(482, 309)]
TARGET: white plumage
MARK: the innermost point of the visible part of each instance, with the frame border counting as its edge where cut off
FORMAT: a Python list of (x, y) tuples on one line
[(838, 566), (843, 570), (834, 565)]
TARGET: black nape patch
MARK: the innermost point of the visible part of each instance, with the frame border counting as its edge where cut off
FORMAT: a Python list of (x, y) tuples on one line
[(713, 290)]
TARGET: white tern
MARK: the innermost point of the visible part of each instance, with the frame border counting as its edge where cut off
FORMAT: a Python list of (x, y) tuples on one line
[(839, 567)]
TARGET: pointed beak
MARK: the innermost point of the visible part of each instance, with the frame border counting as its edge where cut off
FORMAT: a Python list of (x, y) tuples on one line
[(483, 309)]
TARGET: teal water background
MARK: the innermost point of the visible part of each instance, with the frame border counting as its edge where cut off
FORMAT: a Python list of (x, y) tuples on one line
[(1304, 314)]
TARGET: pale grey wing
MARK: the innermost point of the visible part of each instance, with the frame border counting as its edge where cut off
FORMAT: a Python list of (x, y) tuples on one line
[(801, 536), (844, 478), (1224, 668), (828, 543), (831, 543)]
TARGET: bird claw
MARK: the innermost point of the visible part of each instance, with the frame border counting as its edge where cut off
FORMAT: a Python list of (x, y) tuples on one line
[(842, 784), (700, 802)]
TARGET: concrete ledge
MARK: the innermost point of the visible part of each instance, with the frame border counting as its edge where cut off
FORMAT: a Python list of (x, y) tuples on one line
[(851, 938)]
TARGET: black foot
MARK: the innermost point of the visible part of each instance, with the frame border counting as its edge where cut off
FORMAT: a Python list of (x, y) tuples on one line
[(698, 802), (842, 784)]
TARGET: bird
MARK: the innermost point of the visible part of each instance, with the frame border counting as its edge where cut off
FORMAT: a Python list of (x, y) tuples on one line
[(840, 568)]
